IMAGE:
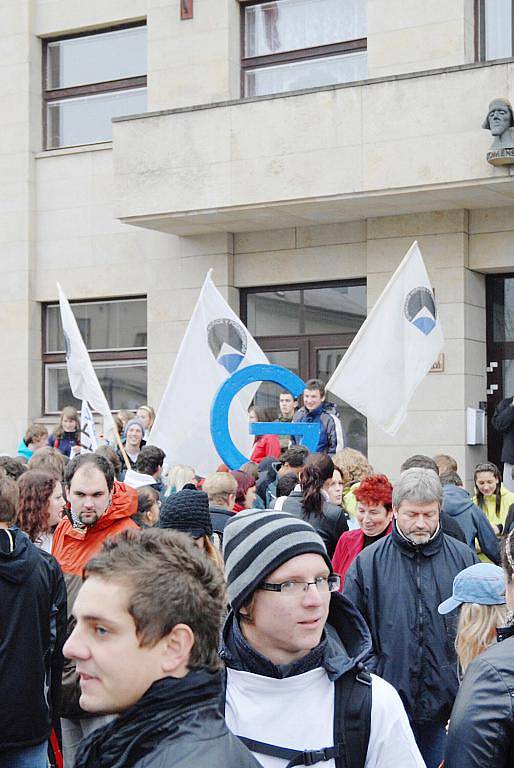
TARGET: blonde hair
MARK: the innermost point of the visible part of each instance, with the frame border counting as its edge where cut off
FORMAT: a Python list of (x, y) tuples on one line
[(353, 465), (476, 630), (178, 476), (213, 553)]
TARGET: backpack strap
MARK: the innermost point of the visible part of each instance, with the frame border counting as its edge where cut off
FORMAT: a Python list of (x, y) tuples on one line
[(352, 716), (295, 757)]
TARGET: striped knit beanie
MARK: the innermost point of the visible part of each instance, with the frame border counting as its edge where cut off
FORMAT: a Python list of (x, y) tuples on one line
[(255, 543)]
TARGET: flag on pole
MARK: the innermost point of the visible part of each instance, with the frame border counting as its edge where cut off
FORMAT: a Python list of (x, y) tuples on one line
[(88, 441), (394, 348), (83, 379), (215, 345)]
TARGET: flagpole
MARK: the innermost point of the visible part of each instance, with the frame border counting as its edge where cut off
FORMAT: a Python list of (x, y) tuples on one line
[(121, 446)]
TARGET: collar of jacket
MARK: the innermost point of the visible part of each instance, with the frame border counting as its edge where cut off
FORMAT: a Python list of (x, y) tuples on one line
[(155, 717), (316, 412), (348, 640), (432, 546)]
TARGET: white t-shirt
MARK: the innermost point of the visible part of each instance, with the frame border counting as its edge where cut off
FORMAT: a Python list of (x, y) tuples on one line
[(298, 712)]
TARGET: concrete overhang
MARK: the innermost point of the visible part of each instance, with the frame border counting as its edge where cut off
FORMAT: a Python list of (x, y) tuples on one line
[(404, 144)]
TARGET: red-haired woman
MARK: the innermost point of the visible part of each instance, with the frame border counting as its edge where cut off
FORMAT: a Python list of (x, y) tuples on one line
[(40, 506), (374, 513)]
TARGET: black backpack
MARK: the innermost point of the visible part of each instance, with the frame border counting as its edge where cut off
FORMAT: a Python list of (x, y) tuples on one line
[(352, 725)]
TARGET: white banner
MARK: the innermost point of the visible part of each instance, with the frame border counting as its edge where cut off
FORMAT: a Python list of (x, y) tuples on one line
[(394, 349), (88, 441), (83, 379), (215, 345)]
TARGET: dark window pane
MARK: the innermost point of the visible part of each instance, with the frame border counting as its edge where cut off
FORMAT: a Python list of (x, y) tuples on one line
[(87, 119), (503, 308), (508, 378), (340, 309), (268, 393), (289, 25), (104, 325), (312, 73), (125, 386), (97, 58)]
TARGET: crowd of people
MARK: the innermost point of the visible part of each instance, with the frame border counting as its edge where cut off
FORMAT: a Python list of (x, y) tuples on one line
[(302, 609)]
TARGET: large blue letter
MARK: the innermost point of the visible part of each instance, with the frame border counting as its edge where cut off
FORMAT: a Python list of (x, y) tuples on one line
[(230, 388)]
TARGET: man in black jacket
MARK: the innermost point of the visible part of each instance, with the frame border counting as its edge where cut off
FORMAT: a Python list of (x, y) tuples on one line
[(145, 646), (397, 584), (503, 421), (32, 633)]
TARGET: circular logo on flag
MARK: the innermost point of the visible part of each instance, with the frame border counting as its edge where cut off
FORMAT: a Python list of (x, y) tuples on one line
[(420, 309), (227, 342)]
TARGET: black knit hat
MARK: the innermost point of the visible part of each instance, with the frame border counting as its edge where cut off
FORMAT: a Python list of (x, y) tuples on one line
[(187, 511), (256, 543)]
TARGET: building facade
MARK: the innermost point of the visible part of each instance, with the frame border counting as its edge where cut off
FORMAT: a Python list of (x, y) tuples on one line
[(297, 147)]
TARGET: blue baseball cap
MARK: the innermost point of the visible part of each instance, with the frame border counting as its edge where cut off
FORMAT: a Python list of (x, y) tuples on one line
[(483, 583)]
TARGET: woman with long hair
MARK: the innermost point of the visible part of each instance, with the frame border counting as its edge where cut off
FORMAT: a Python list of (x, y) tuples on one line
[(148, 506), (312, 502), (374, 514), (146, 415), (479, 592), (178, 476), (491, 495), (40, 506)]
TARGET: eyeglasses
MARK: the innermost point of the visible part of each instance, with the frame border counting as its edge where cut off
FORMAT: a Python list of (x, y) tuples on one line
[(323, 584)]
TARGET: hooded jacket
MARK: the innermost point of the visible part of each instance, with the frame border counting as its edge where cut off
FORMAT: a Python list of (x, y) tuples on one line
[(457, 504), (397, 586), (24, 450), (32, 633), (73, 548), (481, 729), (344, 646)]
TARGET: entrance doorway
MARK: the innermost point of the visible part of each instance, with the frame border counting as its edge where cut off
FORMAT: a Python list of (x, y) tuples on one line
[(307, 329), (500, 352)]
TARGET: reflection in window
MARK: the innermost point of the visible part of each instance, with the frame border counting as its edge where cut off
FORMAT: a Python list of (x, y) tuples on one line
[(495, 22), (339, 309), (114, 333), (503, 308), (89, 79), (295, 44)]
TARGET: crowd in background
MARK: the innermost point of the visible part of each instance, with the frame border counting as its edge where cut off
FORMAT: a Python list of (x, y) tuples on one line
[(416, 561)]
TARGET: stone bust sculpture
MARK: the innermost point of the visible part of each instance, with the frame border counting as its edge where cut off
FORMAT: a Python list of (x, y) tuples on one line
[(499, 120)]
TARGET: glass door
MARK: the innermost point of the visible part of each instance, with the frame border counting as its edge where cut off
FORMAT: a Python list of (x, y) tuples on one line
[(500, 352)]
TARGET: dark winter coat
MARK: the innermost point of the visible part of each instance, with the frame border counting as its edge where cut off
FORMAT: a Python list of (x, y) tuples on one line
[(64, 443), (330, 524), (219, 518), (398, 586), (503, 421), (473, 522), (481, 729), (32, 633), (176, 724), (325, 415)]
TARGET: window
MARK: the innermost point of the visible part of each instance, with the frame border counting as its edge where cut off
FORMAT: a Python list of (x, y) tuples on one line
[(307, 329), (495, 27), (293, 44), (88, 80), (115, 335)]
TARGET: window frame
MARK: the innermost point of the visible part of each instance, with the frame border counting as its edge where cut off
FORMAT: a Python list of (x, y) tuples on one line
[(50, 95), (121, 354), (289, 57), (480, 53)]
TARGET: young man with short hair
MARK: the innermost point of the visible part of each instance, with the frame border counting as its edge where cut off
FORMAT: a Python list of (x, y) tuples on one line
[(293, 460), (35, 437), (316, 411), (221, 488), (148, 469), (297, 692), (145, 648)]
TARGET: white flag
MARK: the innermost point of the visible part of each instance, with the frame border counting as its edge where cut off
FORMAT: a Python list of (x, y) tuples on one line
[(88, 441), (83, 379), (215, 345), (394, 349)]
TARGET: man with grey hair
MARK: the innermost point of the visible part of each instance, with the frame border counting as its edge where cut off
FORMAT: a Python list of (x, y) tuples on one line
[(397, 584)]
